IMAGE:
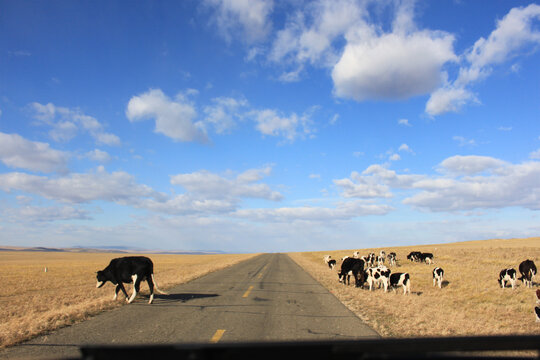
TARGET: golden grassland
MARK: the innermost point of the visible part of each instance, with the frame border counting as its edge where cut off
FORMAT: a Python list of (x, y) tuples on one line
[(471, 301), (33, 301)]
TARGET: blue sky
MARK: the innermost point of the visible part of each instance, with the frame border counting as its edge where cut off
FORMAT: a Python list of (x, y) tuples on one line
[(249, 126)]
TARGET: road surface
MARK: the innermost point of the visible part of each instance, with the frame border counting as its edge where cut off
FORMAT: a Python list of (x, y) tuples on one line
[(266, 298)]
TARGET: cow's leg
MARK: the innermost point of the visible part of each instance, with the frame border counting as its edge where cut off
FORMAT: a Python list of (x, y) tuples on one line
[(116, 290), (121, 287), (136, 285), (151, 287)]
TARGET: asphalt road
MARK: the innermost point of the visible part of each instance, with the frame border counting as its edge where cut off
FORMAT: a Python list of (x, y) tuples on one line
[(267, 298)]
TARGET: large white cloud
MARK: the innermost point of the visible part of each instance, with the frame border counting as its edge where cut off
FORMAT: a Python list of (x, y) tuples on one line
[(173, 118), (66, 123), (391, 66), (17, 152)]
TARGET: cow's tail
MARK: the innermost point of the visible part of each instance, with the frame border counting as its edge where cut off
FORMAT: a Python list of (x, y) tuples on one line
[(157, 288)]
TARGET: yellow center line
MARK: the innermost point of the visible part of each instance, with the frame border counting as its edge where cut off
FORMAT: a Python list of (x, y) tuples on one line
[(217, 336), (246, 294)]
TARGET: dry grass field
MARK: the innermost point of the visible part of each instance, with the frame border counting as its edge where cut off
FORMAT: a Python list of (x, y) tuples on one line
[(33, 301), (471, 301)]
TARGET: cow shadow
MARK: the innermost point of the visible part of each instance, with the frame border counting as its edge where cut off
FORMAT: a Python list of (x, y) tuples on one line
[(184, 297), (445, 283)]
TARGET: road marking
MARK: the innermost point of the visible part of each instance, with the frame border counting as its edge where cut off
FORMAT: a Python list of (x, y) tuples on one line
[(217, 336), (246, 294)]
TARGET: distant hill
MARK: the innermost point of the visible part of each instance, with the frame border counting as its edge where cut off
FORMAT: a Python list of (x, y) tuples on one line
[(110, 249)]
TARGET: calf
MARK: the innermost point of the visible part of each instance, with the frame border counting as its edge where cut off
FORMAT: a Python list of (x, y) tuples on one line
[(438, 274), (391, 259), (401, 279), (329, 261), (527, 269), (507, 275), (378, 275), (354, 267), (129, 269)]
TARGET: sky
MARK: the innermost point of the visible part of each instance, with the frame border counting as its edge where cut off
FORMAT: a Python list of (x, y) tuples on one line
[(268, 126)]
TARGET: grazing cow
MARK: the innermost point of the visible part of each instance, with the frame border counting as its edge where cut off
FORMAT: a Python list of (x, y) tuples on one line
[(378, 275), (327, 258), (507, 276), (414, 256), (392, 259), (537, 312), (380, 260), (527, 269), (129, 269), (401, 279), (354, 267), (427, 258), (438, 274)]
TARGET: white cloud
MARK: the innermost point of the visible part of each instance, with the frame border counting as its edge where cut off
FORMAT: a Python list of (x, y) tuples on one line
[(395, 65), (462, 141), (470, 165), (173, 118), (467, 183), (448, 99), (342, 211), (404, 122), (67, 123), (213, 186), (405, 148), (17, 152), (309, 33), (98, 155), (118, 187), (394, 157), (506, 186), (250, 17), (513, 34), (44, 214), (224, 113), (270, 122)]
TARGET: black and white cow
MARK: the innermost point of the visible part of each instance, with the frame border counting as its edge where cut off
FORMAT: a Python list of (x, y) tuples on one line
[(356, 254), (507, 276), (329, 261), (438, 274), (129, 269), (401, 279), (354, 267), (392, 259), (380, 260), (427, 258), (378, 275), (371, 259), (414, 256), (527, 269)]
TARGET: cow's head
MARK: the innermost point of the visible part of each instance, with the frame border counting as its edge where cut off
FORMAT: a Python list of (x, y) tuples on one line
[(101, 279)]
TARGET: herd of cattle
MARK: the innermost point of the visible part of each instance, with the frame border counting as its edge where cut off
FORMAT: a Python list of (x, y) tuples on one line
[(371, 269)]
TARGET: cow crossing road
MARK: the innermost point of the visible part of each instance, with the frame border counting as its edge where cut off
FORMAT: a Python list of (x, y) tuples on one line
[(266, 298)]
